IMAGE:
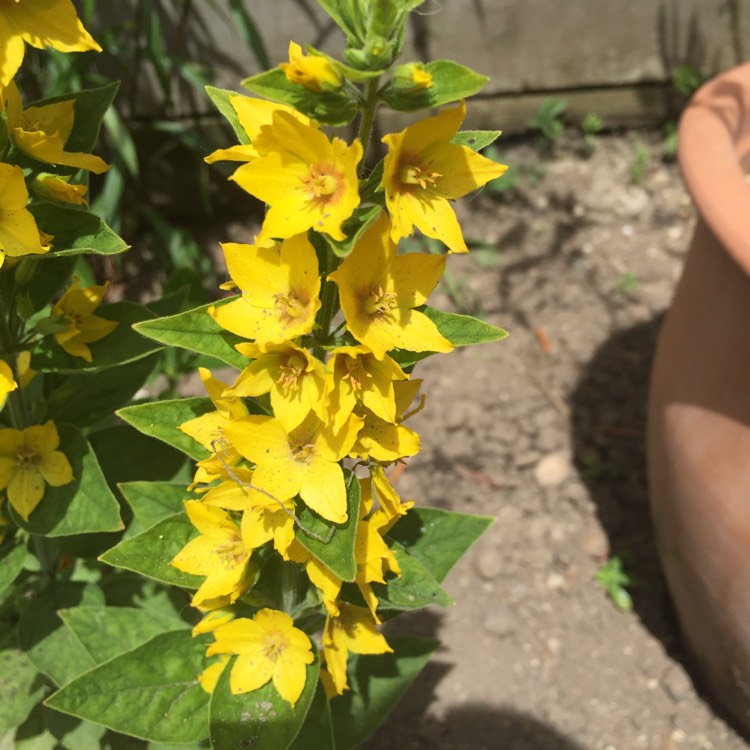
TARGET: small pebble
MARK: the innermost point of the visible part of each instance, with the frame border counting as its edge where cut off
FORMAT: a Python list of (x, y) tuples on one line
[(553, 469)]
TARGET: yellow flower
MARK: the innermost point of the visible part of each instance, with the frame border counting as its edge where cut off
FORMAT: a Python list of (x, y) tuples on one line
[(379, 289), (294, 378), (19, 234), (353, 630), (314, 72), (303, 461), (308, 181), (23, 367), (411, 78), (358, 376), (76, 307), (253, 114), (423, 170), (42, 132), (211, 620), (7, 383), (268, 647), (221, 553), (28, 459), (210, 675), (376, 487), (384, 441), (279, 287), (56, 188), (40, 23)]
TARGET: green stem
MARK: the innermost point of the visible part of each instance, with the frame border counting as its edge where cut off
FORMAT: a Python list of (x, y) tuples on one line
[(368, 119), (329, 305), (41, 551), (19, 416)]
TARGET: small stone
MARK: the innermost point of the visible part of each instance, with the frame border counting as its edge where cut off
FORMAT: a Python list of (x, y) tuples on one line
[(595, 543), (490, 564), (676, 683), (499, 620), (555, 581), (553, 469)]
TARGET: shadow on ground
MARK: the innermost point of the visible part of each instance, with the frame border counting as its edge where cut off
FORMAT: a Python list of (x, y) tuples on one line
[(472, 726), (608, 423)]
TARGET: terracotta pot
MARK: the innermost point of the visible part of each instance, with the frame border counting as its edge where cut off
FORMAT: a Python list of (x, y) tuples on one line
[(699, 409)]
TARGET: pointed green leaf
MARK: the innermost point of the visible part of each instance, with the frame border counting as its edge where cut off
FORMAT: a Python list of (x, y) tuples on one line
[(53, 648), (106, 632), (12, 557), (85, 505), (329, 108), (20, 685), (151, 692), (222, 102), (75, 231), (90, 106), (196, 331), (476, 140), (93, 396), (450, 82), (161, 420), (150, 552), (317, 731), (416, 588), (377, 683), (464, 330), (438, 538), (337, 554), (261, 717), (153, 501), (354, 227), (119, 347)]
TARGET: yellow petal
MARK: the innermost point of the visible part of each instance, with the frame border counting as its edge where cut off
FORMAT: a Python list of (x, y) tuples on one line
[(25, 491), (250, 672), (55, 469), (324, 490)]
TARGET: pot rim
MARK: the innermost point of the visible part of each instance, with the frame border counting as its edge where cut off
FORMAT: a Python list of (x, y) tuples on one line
[(713, 153)]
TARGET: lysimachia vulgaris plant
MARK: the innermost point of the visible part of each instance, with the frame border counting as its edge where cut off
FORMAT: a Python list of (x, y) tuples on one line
[(67, 361), (290, 538)]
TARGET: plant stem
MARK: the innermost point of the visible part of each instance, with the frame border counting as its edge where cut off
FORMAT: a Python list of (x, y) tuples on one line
[(8, 343), (368, 119)]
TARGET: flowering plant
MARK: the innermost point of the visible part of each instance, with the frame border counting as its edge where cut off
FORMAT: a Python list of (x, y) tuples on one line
[(290, 536)]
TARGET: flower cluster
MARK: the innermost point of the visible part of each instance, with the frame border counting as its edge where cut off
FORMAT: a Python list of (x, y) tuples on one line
[(331, 318), (39, 165)]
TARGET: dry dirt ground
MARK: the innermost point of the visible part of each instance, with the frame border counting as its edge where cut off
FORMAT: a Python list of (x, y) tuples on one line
[(545, 432)]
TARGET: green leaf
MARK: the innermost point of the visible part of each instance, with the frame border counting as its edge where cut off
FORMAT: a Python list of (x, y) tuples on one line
[(85, 505), (50, 276), (89, 107), (12, 557), (354, 227), (71, 733), (53, 648), (377, 683), (20, 685), (329, 108), (147, 459), (90, 397), (196, 331), (438, 538), (75, 231), (476, 140), (250, 32), (317, 731), (161, 420), (154, 501), (222, 102), (106, 632), (119, 347), (416, 588), (463, 330), (262, 718), (450, 82), (151, 692), (150, 552), (338, 554)]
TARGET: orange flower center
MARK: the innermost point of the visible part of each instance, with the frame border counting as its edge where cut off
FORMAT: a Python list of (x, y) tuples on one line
[(232, 552), (274, 645), (289, 306), (323, 184), (291, 372), (418, 174), (27, 459), (303, 453), (379, 302), (356, 374)]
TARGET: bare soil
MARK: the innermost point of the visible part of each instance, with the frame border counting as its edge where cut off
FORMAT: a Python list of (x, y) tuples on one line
[(545, 432)]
